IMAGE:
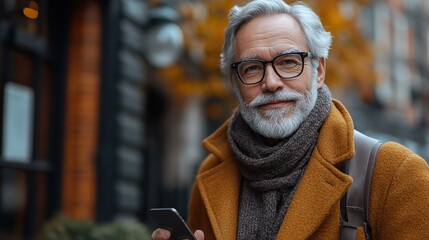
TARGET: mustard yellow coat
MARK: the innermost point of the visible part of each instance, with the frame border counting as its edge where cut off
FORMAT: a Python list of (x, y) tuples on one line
[(399, 205)]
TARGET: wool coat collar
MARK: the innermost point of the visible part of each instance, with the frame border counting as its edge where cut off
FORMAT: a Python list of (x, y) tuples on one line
[(321, 187)]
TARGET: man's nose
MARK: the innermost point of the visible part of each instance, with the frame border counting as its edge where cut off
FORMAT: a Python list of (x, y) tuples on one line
[(272, 81)]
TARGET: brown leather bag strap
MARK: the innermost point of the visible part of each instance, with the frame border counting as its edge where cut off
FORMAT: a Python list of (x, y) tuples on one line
[(355, 203)]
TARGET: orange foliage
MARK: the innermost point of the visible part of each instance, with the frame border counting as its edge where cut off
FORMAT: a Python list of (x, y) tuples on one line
[(350, 62), (203, 23)]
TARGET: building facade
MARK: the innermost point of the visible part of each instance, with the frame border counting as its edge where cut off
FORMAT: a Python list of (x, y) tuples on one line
[(399, 33), (75, 123)]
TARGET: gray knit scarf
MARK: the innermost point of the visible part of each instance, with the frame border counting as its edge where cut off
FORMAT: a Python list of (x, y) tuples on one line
[(271, 174)]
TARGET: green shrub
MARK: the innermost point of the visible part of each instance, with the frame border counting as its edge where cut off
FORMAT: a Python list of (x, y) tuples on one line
[(63, 227)]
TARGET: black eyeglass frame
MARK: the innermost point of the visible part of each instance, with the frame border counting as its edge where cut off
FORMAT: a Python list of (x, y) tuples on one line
[(303, 55)]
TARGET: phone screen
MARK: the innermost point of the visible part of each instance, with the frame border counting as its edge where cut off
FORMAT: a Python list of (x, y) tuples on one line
[(170, 219)]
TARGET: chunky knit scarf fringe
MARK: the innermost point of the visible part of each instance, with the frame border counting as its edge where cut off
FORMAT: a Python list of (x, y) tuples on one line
[(271, 174)]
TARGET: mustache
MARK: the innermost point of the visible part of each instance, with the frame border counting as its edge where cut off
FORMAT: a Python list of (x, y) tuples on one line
[(265, 98)]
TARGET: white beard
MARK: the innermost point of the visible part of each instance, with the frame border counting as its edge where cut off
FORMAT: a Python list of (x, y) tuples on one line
[(282, 122)]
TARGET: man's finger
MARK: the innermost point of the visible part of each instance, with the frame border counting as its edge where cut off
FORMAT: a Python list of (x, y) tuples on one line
[(161, 234)]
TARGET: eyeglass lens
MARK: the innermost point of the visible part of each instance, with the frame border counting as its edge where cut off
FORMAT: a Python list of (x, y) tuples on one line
[(286, 66)]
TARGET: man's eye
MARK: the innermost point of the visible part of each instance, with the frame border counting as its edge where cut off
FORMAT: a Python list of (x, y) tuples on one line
[(288, 62), (251, 68)]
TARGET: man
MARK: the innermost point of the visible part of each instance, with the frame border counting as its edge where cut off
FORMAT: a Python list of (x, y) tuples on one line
[(272, 171)]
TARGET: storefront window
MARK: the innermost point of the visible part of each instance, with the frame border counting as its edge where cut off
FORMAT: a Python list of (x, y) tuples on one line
[(26, 108)]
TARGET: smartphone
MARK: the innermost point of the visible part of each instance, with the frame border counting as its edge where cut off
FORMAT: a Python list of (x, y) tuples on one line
[(170, 219)]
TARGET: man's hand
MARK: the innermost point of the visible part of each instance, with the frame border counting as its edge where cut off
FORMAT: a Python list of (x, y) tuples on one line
[(163, 234)]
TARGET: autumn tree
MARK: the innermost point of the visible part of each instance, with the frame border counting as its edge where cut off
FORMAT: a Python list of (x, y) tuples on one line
[(350, 62)]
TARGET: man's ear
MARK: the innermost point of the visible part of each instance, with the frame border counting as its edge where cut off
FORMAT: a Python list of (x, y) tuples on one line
[(321, 70)]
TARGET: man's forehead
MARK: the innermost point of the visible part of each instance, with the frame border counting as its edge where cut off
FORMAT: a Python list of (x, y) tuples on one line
[(270, 36), (280, 19)]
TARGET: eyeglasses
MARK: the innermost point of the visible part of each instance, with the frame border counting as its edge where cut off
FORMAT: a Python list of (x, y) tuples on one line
[(288, 65)]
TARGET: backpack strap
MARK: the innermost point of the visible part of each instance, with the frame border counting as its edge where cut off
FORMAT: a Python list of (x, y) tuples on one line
[(355, 203)]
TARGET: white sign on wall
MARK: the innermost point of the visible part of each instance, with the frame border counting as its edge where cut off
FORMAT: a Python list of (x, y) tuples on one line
[(17, 122)]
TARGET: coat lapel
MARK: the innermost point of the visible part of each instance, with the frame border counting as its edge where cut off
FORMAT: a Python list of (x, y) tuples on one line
[(220, 189), (321, 187)]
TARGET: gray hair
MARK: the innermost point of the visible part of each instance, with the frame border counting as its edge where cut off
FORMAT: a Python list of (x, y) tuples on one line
[(318, 39)]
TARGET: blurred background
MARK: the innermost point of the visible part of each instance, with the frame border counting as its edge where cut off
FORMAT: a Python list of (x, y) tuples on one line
[(104, 104)]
